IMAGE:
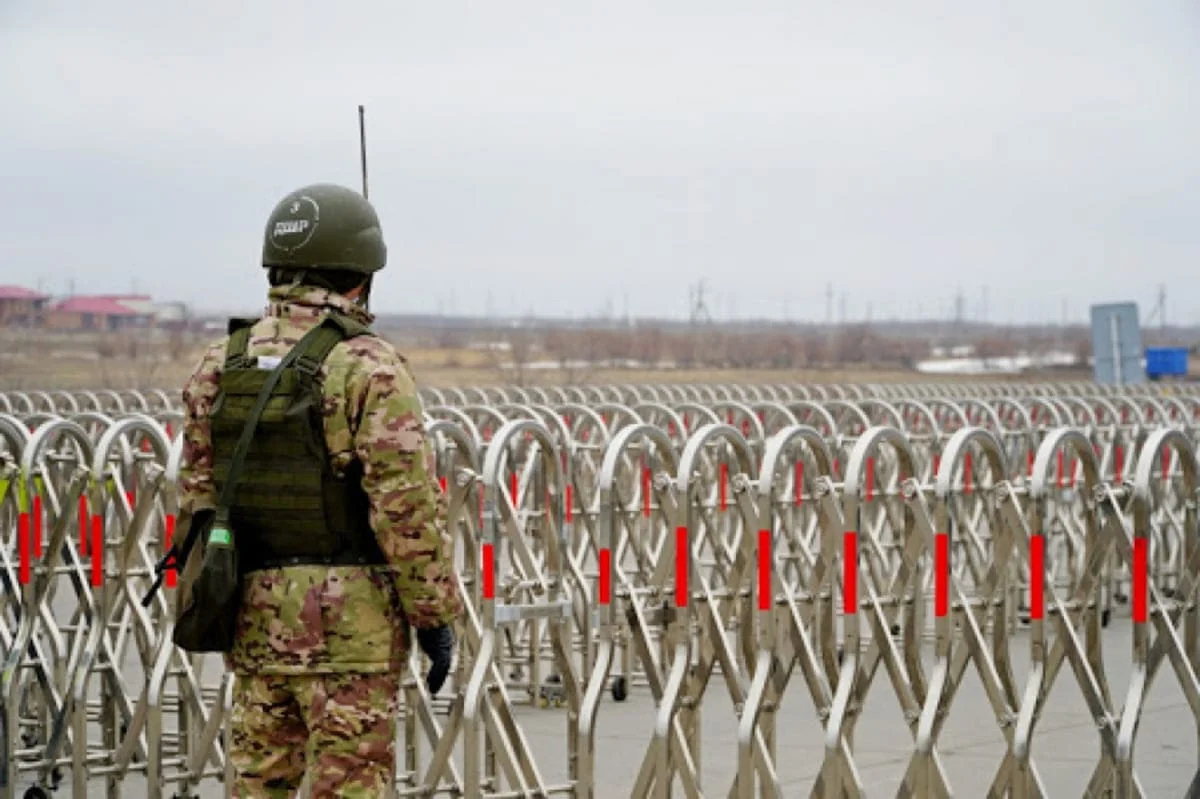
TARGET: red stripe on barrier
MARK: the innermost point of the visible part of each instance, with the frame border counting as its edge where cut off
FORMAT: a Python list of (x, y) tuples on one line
[(682, 559), (170, 430), (1029, 462), (605, 576), (37, 526), (850, 572), (168, 538), (442, 483), (1074, 472), (799, 483), (765, 596), (570, 510), (646, 485), (83, 527), (23, 546), (1037, 577), (937, 463), (512, 486), (97, 551), (487, 566), (1061, 467), (870, 478), (1141, 569), (941, 574), (724, 486)]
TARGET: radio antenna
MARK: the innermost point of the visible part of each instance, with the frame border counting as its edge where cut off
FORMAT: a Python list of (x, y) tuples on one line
[(362, 147)]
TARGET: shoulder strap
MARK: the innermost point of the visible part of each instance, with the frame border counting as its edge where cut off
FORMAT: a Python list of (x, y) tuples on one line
[(350, 327), (239, 340), (332, 330)]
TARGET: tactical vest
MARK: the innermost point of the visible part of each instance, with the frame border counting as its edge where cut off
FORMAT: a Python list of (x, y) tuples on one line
[(289, 506)]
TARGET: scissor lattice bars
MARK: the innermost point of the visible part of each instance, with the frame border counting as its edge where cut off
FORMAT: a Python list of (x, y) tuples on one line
[(821, 548)]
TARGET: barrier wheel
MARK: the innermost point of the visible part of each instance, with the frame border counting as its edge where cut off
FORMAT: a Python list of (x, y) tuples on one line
[(36, 792), (620, 689), (1105, 617)]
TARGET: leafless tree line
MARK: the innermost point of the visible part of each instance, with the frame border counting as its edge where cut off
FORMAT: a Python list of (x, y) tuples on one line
[(854, 345)]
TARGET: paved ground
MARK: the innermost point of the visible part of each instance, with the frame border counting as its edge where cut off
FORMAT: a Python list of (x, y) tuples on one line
[(972, 748)]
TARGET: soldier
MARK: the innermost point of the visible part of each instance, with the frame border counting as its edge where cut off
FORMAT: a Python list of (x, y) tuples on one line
[(337, 516)]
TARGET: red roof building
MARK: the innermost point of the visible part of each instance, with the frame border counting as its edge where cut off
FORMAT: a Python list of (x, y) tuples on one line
[(95, 313), (21, 307), (8, 293)]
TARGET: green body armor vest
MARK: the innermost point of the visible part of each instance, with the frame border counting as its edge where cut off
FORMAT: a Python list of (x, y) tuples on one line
[(289, 506)]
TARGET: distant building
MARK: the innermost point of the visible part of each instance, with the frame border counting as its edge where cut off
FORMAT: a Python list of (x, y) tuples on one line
[(101, 314), (21, 307), (172, 315)]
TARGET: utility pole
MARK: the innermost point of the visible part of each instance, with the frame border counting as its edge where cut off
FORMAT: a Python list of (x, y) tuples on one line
[(697, 308), (1162, 304)]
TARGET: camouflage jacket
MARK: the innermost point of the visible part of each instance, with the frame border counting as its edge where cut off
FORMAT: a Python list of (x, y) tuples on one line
[(314, 619)]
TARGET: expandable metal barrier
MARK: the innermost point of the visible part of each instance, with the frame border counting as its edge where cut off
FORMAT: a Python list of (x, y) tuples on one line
[(682, 539)]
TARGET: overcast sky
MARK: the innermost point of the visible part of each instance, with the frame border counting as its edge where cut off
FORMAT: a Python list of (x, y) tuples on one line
[(556, 156)]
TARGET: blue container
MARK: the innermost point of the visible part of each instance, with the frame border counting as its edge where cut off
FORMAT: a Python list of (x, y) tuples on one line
[(1166, 362)]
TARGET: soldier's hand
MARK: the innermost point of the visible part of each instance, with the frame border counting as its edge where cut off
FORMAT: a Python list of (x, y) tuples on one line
[(438, 645)]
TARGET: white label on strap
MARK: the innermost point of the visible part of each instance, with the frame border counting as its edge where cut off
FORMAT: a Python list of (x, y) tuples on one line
[(268, 361)]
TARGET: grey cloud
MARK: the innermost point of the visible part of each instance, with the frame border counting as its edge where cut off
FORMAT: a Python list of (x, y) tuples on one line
[(559, 154)]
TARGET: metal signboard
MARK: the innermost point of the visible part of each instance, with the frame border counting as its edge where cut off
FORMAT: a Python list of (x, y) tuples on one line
[(1117, 344)]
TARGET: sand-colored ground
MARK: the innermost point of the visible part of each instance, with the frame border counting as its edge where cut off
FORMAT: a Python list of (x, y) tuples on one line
[(46, 361)]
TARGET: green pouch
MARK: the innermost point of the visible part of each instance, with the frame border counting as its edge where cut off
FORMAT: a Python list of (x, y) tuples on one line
[(209, 621)]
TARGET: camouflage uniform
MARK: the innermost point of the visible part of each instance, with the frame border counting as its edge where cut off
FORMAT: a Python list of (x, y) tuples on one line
[(319, 650)]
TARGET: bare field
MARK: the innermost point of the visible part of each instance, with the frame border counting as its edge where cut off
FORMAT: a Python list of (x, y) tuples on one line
[(47, 361), (33, 360)]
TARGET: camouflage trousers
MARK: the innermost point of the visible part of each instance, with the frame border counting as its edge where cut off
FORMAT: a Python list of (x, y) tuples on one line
[(339, 728)]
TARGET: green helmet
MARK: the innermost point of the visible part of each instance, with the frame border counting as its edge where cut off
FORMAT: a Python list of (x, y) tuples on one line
[(324, 226)]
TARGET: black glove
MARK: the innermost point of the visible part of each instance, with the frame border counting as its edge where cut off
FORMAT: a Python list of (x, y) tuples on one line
[(438, 644)]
